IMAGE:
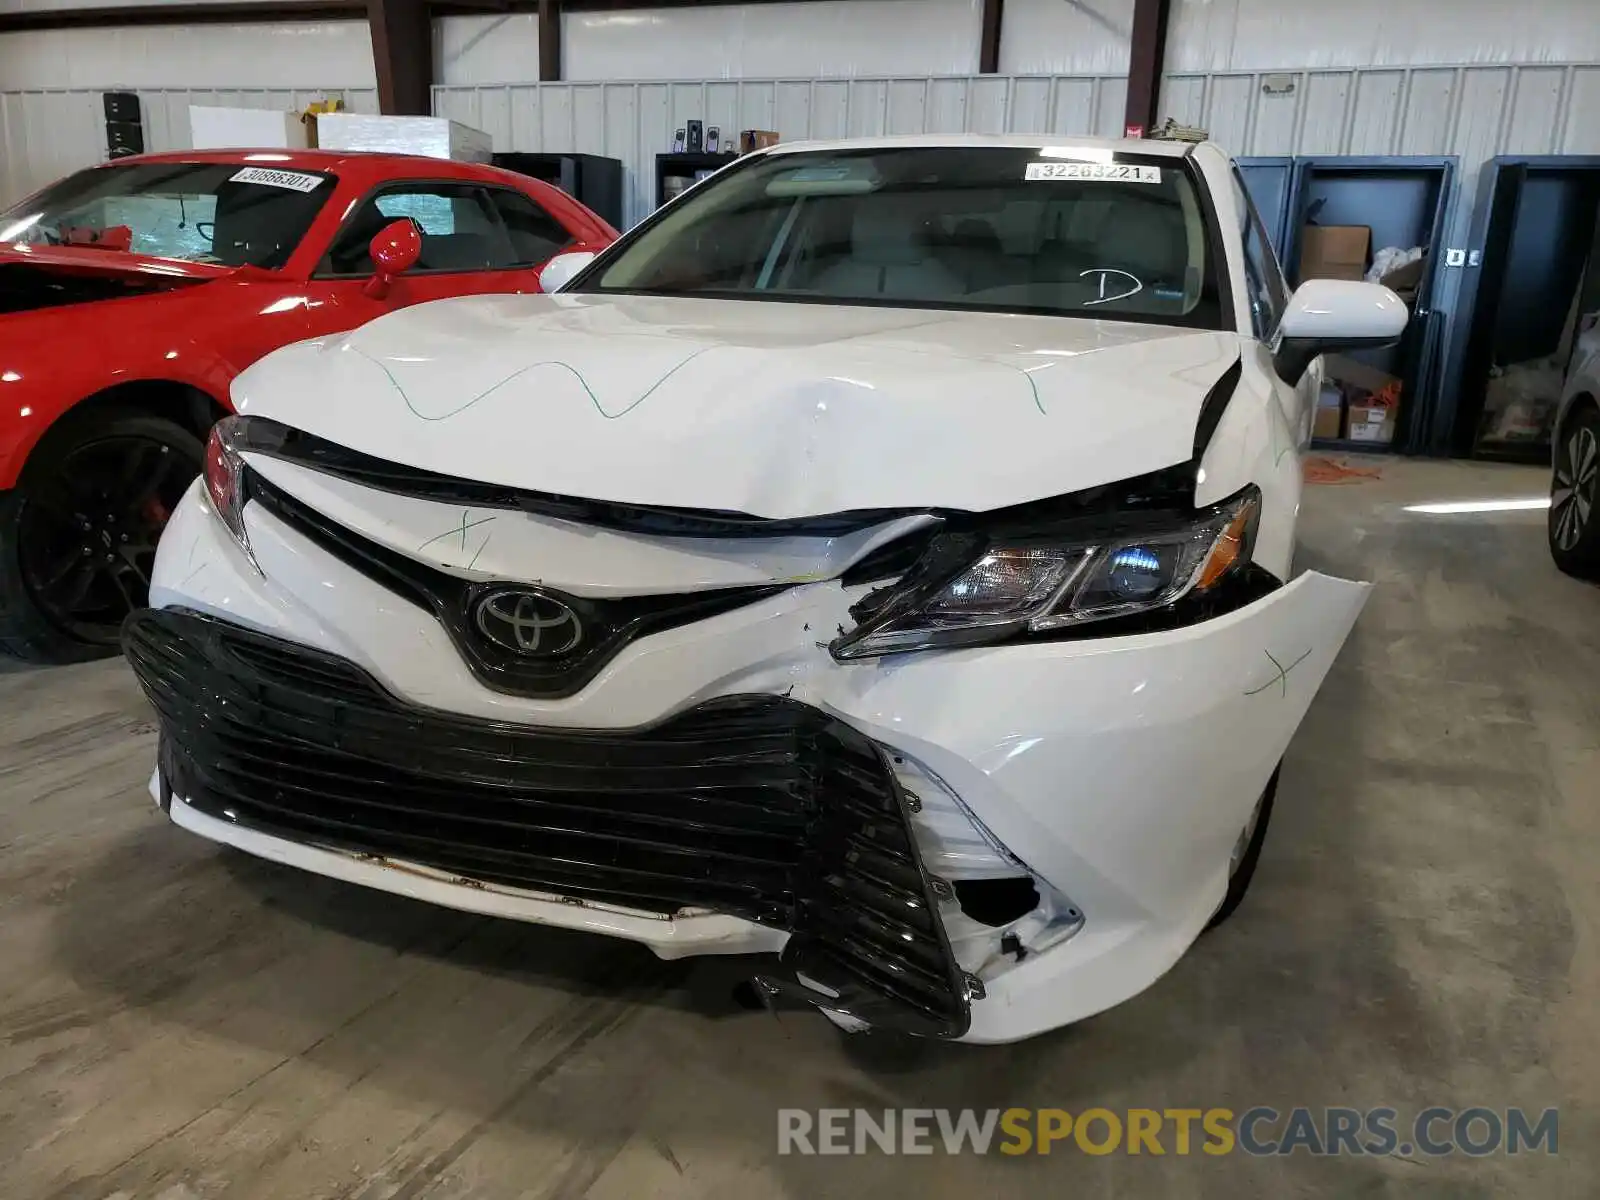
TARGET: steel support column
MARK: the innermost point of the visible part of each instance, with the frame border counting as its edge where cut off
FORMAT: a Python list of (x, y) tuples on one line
[(549, 40), (989, 45), (402, 53), (1147, 52)]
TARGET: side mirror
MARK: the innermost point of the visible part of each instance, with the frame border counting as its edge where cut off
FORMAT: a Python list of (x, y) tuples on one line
[(561, 269), (1325, 315), (394, 251)]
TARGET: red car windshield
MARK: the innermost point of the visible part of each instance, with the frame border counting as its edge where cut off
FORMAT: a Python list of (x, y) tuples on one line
[(225, 213)]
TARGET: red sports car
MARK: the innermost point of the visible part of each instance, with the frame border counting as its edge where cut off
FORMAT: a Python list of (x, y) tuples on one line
[(131, 294)]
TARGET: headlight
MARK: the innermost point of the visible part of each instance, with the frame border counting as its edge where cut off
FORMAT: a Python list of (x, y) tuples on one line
[(967, 592), (225, 474)]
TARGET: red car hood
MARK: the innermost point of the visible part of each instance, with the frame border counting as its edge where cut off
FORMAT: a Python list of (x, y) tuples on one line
[(93, 260)]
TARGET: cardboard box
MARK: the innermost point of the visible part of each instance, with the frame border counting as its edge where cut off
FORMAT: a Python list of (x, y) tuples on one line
[(1522, 421), (315, 109), (1371, 423), (432, 137), (1330, 413), (1403, 281), (213, 128), (1334, 251), (1340, 368), (756, 139)]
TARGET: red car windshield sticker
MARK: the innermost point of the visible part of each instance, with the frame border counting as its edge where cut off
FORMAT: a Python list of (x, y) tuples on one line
[(295, 181)]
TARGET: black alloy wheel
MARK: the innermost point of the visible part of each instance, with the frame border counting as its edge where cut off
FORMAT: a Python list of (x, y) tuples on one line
[(1574, 529), (83, 529)]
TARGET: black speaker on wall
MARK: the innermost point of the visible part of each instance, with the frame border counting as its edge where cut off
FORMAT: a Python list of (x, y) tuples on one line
[(124, 125)]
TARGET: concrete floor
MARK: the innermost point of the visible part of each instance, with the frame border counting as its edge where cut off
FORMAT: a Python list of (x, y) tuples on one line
[(179, 1022)]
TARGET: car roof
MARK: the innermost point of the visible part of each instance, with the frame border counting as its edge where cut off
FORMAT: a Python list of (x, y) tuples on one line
[(1156, 147), (365, 163)]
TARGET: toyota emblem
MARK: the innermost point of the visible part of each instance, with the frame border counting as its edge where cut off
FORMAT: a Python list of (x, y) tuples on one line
[(529, 622)]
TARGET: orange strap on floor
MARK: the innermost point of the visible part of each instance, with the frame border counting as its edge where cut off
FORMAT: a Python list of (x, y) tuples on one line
[(1319, 469)]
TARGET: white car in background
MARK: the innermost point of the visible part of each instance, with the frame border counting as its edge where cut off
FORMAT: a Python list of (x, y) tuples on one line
[(879, 559)]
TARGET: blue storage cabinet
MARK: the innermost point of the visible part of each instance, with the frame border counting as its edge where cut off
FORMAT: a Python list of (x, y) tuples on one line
[(1405, 202), (1535, 241)]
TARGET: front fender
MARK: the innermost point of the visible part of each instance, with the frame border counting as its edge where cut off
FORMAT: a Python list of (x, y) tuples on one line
[(27, 417)]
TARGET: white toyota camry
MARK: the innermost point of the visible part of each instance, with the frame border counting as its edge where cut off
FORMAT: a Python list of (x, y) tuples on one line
[(879, 561)]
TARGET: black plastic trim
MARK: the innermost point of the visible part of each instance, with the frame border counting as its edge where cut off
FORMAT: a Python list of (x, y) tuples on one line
[(1294, 356), (308, 450), (754, 805), (1215, 404), (608, 626)]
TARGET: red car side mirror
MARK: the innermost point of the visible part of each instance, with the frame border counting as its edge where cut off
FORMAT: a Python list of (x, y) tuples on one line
[(394, 251)]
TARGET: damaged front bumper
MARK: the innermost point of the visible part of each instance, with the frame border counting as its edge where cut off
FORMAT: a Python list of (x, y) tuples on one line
[(752, 806), (1112, 775)]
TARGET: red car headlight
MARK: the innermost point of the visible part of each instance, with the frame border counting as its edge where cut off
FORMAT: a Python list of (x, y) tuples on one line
[(225, 475)]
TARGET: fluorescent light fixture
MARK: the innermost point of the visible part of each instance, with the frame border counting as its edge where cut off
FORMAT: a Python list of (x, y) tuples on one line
[(1514, 504), (1093, 154)]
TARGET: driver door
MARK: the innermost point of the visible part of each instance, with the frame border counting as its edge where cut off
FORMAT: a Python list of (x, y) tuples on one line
[(475, 239)]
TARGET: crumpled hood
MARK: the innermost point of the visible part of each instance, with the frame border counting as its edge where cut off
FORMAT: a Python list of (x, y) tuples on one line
[(775, 409), (37, 280)]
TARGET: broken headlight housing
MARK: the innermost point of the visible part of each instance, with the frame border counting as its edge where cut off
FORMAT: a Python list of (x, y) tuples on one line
[(226, 477), (978, 588), (224, 474)]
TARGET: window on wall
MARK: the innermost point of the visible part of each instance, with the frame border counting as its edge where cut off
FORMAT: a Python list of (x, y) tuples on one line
[(1269, 293)]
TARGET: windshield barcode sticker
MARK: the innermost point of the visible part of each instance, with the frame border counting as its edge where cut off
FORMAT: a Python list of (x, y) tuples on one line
[(1098, 172), (295, 181)]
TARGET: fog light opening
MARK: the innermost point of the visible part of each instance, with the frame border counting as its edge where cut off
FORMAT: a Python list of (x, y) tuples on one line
[(997, 902)]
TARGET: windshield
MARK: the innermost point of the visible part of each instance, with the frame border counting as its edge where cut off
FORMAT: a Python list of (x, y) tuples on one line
[(222, 213), (1038, 230)]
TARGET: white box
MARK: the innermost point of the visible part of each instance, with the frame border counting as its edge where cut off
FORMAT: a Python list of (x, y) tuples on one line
[(432, 137), (212, 128)]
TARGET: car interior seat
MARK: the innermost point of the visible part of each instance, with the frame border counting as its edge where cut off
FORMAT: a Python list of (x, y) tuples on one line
[(1148, 240), (889, 256)]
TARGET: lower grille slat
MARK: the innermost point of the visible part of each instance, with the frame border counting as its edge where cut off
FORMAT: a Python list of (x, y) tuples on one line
[(756, 806), (706, 858)]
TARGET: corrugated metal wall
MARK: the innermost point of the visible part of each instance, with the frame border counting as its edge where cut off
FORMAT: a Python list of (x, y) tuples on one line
[(635, 121), (823, 39), (1473, 111), (1250, 35), (45, 134)]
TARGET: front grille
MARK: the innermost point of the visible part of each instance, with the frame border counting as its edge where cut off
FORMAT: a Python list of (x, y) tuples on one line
[(757, 806), (609, 625)]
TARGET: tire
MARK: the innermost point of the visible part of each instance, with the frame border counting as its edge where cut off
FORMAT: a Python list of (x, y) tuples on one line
[(1243, 865), (78, 533), (1574, 526)]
